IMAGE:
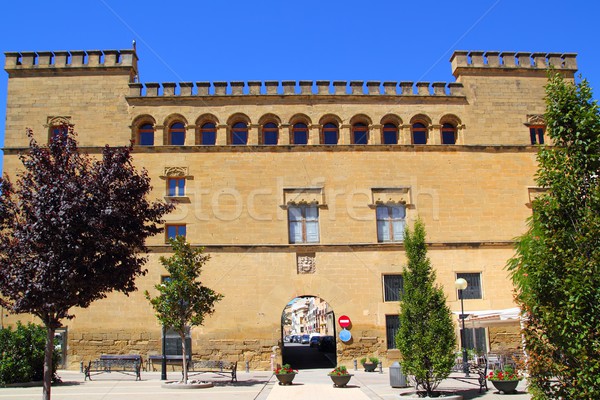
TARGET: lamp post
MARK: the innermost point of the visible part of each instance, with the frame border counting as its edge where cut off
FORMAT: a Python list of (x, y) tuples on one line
[(461, 285), (163, 364)]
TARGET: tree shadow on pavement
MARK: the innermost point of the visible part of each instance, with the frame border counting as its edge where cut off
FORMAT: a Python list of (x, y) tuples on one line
[(240, 383)]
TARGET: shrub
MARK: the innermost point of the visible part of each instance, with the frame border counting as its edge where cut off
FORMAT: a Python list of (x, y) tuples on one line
[(372, 360), (22, 354)]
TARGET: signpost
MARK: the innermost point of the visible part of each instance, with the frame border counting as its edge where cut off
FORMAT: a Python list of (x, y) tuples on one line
[(344, 321), (345, 335)]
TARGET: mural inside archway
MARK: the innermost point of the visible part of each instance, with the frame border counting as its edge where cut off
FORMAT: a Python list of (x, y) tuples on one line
[(308, 333)]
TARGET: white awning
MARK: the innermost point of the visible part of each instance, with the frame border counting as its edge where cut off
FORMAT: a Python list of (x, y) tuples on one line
[(484, 318)]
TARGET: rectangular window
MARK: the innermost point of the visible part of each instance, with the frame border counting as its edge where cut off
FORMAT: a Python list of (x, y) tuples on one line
[(303, 224), (392, 324), (175, 230), (475, 338), (393, 285), (536, 134), (176, 187), (473, 290), (390, 223)]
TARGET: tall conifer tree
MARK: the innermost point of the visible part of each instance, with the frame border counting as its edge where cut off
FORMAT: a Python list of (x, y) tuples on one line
[(426, 337)]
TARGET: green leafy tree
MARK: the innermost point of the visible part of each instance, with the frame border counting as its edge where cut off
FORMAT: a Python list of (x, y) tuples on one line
[(556, 268), (182, 301), (73, 229), (426, 337), (22, 354)]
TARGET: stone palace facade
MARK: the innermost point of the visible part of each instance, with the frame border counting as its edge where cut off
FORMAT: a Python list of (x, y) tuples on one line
[(302, 189)]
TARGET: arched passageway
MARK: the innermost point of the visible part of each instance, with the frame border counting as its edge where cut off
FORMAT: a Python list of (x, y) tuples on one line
[(308, 333)]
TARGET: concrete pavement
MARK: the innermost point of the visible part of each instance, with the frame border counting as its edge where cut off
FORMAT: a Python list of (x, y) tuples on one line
[(311, 384)]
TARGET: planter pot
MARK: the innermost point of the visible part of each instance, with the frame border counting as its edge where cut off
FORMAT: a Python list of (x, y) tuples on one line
[(285, 379), (506, 386), (370, 367), (340, 380)]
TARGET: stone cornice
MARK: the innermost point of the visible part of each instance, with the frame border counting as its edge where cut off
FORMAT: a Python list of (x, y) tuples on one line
[(282, 148), (337, 247), (295, 99), (311, 148)]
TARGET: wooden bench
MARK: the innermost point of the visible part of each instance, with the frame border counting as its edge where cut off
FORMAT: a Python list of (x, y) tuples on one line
[(130, 364), (224, 368)]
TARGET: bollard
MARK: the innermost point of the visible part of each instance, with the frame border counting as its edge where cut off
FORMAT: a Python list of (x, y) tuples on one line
[(380, 367), (355, 365), (247, 367), (81, 367)]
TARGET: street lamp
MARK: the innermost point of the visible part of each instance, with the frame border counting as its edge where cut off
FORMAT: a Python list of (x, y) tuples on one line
[(163, 363), (163, 360), (461, 285)]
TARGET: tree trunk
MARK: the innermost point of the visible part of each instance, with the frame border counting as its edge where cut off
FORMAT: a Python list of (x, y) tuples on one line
[(185, 364), (48, 361)]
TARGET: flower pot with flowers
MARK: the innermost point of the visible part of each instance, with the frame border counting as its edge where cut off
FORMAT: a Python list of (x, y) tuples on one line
[(340, 376), (505, 380), (285, 374), (369, 365)]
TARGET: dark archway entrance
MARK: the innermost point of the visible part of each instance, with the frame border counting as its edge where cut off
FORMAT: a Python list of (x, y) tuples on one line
[(308, 333)]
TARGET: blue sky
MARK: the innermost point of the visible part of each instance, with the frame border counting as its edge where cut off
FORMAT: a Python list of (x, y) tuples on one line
[(302, 40)]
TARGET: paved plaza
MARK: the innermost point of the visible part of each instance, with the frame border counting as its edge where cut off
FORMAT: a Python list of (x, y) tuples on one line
[(311, 384)]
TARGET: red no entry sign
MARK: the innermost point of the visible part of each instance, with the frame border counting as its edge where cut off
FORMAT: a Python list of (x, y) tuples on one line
[(344, 321)]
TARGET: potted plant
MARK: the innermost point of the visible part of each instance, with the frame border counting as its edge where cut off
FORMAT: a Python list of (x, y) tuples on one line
[(506, 380), (285, 374), (371, 364), (340, 376)]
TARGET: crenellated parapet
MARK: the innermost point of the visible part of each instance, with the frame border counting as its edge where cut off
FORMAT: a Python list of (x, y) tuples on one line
[(76, 60), (296, 88), (495, 61)]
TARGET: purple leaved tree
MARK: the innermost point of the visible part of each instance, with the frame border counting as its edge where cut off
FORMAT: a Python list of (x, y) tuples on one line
[(72, 230)]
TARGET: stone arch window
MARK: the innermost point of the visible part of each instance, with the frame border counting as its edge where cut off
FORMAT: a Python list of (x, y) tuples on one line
[(270, 134), (239, 134), (299, 129), (330, 133), (57, 125), (390, 129), (176, 135), (537, 128), (206, 130), (419, 132), (143, 131), (449, 133), (360, 133), (450, 124)]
